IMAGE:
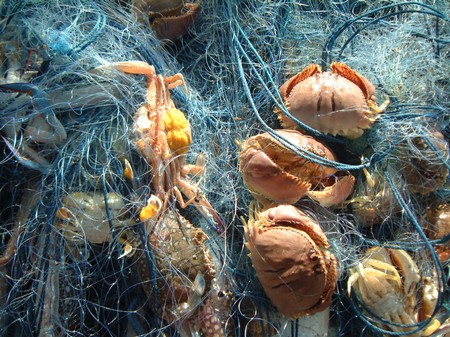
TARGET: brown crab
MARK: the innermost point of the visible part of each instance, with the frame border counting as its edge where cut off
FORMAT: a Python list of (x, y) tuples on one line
[(170, 19), (437, 226), (425, 165), (187, 279), (338, 102), (289, 252), (272, 172)]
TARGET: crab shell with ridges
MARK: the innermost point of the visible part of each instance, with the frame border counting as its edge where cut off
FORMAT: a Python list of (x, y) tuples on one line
[(272, 172), (337, 102), (289, 252)]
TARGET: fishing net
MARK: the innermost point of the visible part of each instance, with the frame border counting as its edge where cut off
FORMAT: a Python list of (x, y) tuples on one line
[(79, 258)]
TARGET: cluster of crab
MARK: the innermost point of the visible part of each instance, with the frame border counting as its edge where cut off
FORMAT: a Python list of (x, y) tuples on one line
[(189, 286), (288, 248)]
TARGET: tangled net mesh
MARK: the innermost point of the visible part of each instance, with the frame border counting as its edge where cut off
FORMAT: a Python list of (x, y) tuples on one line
[(60, 281)]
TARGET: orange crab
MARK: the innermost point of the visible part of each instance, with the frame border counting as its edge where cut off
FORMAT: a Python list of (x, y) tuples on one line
[(272, 172), (289, 252), (338, 102), (163, 136)]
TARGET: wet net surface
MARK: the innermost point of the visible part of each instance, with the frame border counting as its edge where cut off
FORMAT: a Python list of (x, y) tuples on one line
[(80, 258)]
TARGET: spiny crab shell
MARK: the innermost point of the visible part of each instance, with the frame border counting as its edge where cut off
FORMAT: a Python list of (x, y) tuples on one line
[(272, 172), (289, 252), (338, 102)]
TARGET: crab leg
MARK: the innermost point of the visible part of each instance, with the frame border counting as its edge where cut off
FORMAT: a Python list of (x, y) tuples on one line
[(39, 164), (40, 103), (35, 133)]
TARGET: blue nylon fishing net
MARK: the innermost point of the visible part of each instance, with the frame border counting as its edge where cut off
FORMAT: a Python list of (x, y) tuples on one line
[(67, 126)]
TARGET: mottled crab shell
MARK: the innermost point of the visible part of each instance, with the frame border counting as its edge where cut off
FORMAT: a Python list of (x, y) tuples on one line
[(272, 171), (180, 254), (289, 253), (338, 102)]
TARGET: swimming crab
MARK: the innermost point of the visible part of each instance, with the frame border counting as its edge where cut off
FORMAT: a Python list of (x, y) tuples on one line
[(272, 172), (29, 122), (87, 217), (187, 280), (163, 136), (390, 285), (289, 252), (170, 19), (338, 102)]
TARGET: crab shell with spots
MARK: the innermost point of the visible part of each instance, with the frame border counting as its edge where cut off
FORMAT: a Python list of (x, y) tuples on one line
[(337, 102), (272, 172), (289, 252), (181, 255)]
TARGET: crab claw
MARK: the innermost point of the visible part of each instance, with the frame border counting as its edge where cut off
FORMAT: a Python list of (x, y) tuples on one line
[(267, 180), (151, 210), (335, 194)]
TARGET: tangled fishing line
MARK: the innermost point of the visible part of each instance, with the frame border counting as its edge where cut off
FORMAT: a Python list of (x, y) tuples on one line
[(79, 255)]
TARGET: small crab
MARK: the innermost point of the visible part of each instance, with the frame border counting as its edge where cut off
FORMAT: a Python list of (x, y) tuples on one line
[(272, 172), (425, 165), (23, 133), (338, 102), (389, 285), (25, 129), (373, 201), (289, 252), (170, 19), (163, 137), (187, 273), (87, 217), (437, 226)]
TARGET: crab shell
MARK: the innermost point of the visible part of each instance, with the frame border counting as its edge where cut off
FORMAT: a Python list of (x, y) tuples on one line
[(426, 167), (289, 253), (338, 102), (180, 254), (170, 19), (275, 173), (437, 226)]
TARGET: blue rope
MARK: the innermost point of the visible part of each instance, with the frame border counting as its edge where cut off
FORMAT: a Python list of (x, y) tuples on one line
[(327, 50)]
